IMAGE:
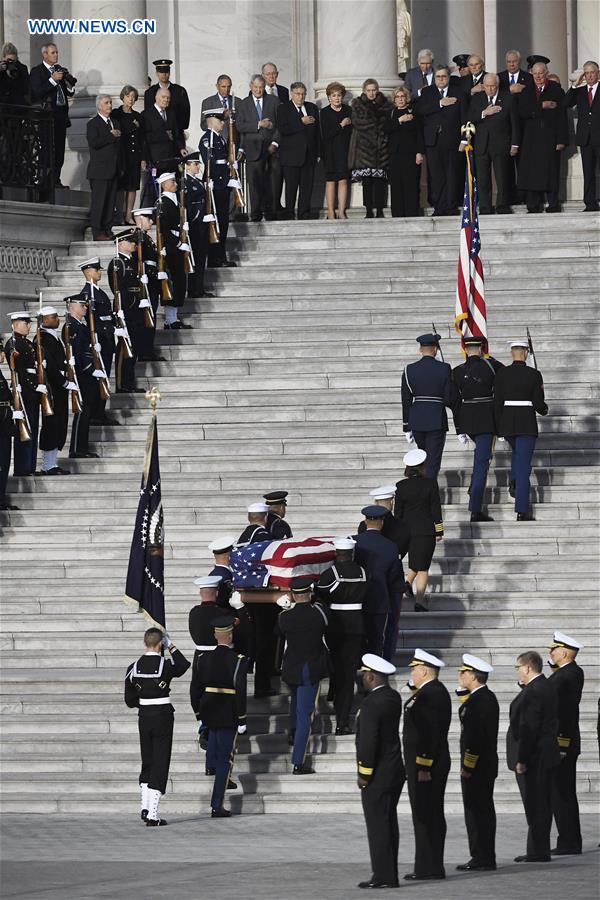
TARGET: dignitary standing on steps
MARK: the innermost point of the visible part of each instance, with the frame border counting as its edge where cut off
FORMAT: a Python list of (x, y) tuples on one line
[(427, 717), (478, 714), (19, 350), (147, 687), (474, 416), (104, 321), (567, 683), (276, 524), (406, 149), (584, 95), (299, 142), (336, 128), (532, 752), (368, 156), (255, 123), (381, 774), (305, 663), (53, 433), (441, 106), (104, 144), (88, 376), (518, 396)]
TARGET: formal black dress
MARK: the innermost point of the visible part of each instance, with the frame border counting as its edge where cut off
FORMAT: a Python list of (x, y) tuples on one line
[(133, 148), (405, 140), (335, 142)]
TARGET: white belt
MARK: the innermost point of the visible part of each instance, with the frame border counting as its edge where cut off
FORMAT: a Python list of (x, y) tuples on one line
[(149, 262), (479, 400), (155, 701), (205, 646), (106, 318), (31, 371), (349, 606), (518, 403), (221, 162)]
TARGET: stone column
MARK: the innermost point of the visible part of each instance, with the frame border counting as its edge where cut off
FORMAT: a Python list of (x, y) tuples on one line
[(448, 27), (588, 31)]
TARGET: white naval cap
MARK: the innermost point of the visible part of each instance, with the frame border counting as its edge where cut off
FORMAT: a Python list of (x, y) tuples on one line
[(414, 457), (344, 543), (474, 663), (166, 176), (208, 581), (385, 492), (48, 311), (22, 314), (422, 657), (561, 639), (221, 544), (258, 508), (373, 663), (144, 211), (523, 344), (93, 263)]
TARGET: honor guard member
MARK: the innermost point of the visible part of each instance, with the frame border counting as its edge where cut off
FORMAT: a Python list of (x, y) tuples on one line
[(147, 687), (427, 717), (195, 204), (378, 555), (144, 220), (180, 103), (221, 549), (123, 273), (305, 663), (219, 701), (474, 417), (276, 524), (567, 682), (167, 211), (53, 433), (256, 530), (87, 375), (518, 396), (7, 431), (427, 389), (532, 752), (104, 321), (213, 147), (18, 344), (381, 774), (478, 714), (342, 588)]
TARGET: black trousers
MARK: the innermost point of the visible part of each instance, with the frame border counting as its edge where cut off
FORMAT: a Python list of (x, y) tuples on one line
[(433, 443), (501, 163), (60, 139), (404, 176), (156, 739), (198, 235), (444, 166), (147, 335), (590, 159), (375, 625), (480, 818), (299, 183), (381, 818), (218, 252), (5, 454), (345, 658), (565, 807), (264, 617), (80, 427), (259, 182), (102, 208), (374, 193), (25, 452), (535, 786), (106, 340), (429, 823), (276, 178), (53, 432)]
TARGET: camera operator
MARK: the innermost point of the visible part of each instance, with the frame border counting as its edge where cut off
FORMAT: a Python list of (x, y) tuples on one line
[(51, 86), (14, 78)]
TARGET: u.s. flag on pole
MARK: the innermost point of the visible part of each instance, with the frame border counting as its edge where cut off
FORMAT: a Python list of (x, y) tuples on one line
[(470, 318)]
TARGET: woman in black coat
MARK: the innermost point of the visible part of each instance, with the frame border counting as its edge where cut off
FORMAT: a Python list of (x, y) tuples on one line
[(133, 151), (418, 505), (406, 149), (336, 126), (368, 156)]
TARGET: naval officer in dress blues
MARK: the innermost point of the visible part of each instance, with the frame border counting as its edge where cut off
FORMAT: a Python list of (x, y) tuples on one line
[(213, 145), (92, 270), (427, 389)]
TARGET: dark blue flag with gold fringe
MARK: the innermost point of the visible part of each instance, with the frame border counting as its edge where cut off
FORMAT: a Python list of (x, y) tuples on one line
[(145, 575)]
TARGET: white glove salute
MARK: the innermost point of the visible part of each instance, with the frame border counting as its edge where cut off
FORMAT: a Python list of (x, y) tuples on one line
[(166, 640), (242, 729), (284, 602), (463, 439), (409, 437), (236, 600)]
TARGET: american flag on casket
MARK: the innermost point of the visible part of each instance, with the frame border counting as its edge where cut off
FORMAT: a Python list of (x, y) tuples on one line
[(275, 563)]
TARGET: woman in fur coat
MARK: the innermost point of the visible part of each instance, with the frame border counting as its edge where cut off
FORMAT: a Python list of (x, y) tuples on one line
[(368, 155)]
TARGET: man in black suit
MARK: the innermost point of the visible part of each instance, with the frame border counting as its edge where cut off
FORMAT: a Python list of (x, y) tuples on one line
[(441, 109), (103, 141), (14, 78), (180, 103), (255, 122), (49, 88), (494, 116), (163, 137), (271, 74), (381, 774), (514, 78), (472, 83), (584, 95), (298, 126), (222, 100), (532, 752), (478, 713), (421, 76)]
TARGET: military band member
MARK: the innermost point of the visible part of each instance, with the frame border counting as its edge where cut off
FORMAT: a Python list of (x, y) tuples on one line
[(213, 146), (105, 328), (381, 774), (147, 687), (276, 524), (427, 389), (87, 375), (25, 452), (122, 276), (167, 212), (427, 715), (478, 714), (518, 396), (7, 432), (195, 203), (144, 220), (342, 588), (218, 695), (474, 416), (567, 682), (53, 433)]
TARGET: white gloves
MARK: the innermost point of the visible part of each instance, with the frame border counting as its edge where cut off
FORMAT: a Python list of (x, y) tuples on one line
[(18, 414), (185, 248), (97, 347), (163, 252), (144, 304), (236, 600), (409, 437), (209, 218), (463, 439), (165, 640), (162, 276), (121, 316), (120, 332), (284, 602), (97, 373), (242, 729), (186, 226), (71, 386), (42, 389), (144, 279)]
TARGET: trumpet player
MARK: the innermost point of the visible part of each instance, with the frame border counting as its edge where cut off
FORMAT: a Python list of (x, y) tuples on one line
[(214, 152), (19, 349), (53, 433)]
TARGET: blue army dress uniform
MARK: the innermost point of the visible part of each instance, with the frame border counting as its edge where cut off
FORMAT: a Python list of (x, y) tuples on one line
[(105, 332), (25, 452), (195, 206), (214, 145), (427, 389), (122, 270), (276, 524), (81, 346), (149, 277)]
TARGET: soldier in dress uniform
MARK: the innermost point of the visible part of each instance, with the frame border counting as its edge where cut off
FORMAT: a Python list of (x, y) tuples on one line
[(427, 715), (25, 452), (221, 549), (195, 203), (180, 103), (305, 664), (87, 375), (276, 524), (214, 145), (427, 389), (7, 432), (123, 272), (342, 588), (474, 417), (147, 686), (144, 220), (167, 211), (478, 714), (518, 396), (53, 433), (104, 321), (256, 530), (218, 696), (567, 682), (204, 613), (381, 774)]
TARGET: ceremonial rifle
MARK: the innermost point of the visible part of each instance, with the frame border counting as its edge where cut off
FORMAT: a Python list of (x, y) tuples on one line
[(163, 275), (103, 384), (234, 181), (184, 237), (19, 411), (40, 365), (145, 303), (76, 396), (531, 350), (121, 332), (439, 348), (210, 218)]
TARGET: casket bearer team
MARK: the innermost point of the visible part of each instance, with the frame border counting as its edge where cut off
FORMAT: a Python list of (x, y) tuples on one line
[(276, 524)]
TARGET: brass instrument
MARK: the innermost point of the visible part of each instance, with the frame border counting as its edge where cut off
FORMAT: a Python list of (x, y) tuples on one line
[(163, 275), (184, 238), (42, 385), (18, 408), (103, 385), (234, 180), (210, 218), (76, 396), (148, 311)]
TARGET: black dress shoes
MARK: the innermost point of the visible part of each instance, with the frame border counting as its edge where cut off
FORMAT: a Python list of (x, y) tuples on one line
[(84, 454), (408, 589), (154, 823), (220, 813), (525, 517), (55, 470), (526, 858), (475, 867), (207, 294), (420, 608), (152, 357), (210, 772), (411, 876), (303, 769), (512, 485), (481, 517), (5, 505), (144, 815), (343, 729), (104, 421), (231, 785), (378, 884)]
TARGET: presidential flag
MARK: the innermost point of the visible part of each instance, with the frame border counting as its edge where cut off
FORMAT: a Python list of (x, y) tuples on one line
[(470, 319), (145, 575)]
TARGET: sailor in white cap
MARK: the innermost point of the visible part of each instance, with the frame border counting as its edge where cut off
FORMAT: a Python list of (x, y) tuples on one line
[(92, 269), (53, 432), (478, 716), (201, 615), (380, 775), (342, 588), (144, 217), (427, 715), (24, 361), (567, 681), (256, 530), (167, 220), (518, 396)]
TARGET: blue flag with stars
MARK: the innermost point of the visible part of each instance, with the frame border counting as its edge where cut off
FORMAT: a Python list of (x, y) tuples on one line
[(145, 575)]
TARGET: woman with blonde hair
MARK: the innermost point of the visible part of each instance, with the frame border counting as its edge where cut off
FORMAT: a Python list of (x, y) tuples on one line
[(406, 149), (336, 127)]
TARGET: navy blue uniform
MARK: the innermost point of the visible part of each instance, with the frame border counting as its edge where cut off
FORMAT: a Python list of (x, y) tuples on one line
[(167, 210), (53, 432), (396, 530), (124, 270), (79, 334), (105, 332), (25, 453), (427, 389), (278, 527), (195, 204), (150, 270), (379, 557), (219, 173), (7, 432), (567, 682)]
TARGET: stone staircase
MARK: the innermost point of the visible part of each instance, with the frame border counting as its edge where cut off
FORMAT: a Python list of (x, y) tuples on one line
[(291, 378)]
